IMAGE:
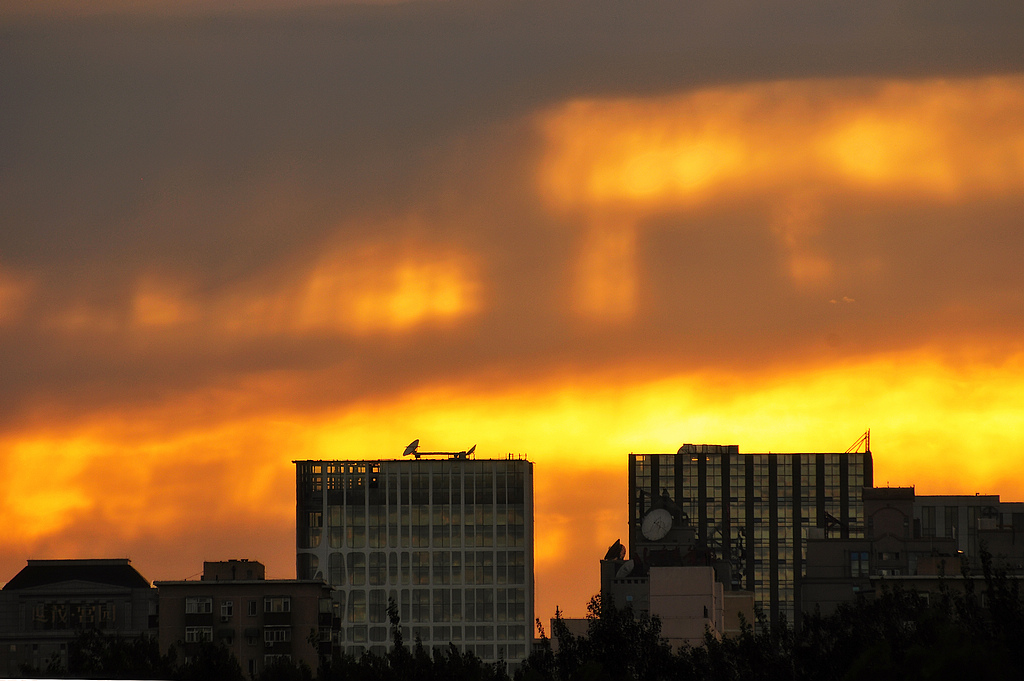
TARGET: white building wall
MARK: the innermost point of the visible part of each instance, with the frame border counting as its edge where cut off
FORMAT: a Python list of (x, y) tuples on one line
[(449, 541), (688, 601)]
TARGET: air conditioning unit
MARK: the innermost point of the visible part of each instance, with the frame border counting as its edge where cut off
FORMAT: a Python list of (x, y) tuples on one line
[(225, 618), (269, 644)]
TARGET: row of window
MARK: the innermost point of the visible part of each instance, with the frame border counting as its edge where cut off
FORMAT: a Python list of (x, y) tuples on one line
[(437, 634), (424, 567), (487, 652), (859, 566), (199, 634), (447, 469), (440, 535), (500, 481), (418, 514), (435, 605), (203, 605)]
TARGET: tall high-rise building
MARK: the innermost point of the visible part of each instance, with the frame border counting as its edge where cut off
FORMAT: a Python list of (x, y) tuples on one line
[(750, 514), (449, 541)]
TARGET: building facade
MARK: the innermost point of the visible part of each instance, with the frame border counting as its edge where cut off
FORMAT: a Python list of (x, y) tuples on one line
[(838, 569), (449, 541), (919, 543), (49, 602), (974, 522), (751, 514), (259, 620)]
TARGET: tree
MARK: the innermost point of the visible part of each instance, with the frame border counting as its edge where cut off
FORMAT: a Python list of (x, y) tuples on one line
[(213, 662)]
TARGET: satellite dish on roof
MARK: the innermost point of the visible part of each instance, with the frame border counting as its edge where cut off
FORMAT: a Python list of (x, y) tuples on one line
[(624, 571), (413, 448), (656, 524)]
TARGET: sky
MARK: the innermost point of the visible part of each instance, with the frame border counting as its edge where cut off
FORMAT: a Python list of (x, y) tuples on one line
[(234, 235)]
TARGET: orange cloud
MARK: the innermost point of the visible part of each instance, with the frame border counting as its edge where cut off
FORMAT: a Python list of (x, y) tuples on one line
[(14, 293), (161, 303), (791, 144), (372, 287), (939, 138)]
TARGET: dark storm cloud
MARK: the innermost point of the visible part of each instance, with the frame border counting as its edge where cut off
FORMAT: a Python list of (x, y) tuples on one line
[(230, 148)]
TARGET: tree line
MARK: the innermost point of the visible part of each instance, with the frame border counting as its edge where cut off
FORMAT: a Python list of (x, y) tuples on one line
[(897, 635)]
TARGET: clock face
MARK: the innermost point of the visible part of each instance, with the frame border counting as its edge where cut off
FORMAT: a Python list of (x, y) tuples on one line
[(656, 524)]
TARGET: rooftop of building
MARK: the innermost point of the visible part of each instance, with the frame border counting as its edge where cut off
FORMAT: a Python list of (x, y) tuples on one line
[(888, 493), (733, 449), (233, 582), (233, 570), (108, 571), (444, 456), (988, 498)]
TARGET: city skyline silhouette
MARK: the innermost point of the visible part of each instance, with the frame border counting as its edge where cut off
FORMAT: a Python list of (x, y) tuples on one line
[(236, 236)]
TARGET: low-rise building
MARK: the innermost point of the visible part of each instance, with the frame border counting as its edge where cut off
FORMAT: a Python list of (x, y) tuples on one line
[(975, 523), (259, 620), (49, 602), (916, 543)]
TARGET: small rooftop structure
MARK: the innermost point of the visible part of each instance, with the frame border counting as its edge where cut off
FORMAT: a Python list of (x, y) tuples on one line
[(233, 570)]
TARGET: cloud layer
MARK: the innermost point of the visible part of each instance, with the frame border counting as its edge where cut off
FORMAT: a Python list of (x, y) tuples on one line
[(232, 237)]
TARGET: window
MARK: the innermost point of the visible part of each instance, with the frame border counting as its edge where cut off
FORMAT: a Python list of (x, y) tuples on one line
[(252, 608), (378, 568), (859, 564), (420, 605), (271, 659), (952, 522), (357, 568), (277, 604), (197, 634), (928, 521), (336, 569), (420, 567), (378, 605), (202, 606), (277, 634), (357, 607), (227, 609)]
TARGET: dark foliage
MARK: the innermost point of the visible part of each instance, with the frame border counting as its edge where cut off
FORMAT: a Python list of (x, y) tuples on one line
[(898, 635)]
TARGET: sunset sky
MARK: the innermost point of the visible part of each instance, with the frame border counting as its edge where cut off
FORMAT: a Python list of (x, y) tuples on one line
[(237, 234)]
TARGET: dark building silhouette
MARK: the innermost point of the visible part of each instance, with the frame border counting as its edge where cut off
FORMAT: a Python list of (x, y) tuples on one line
[(919, 543), (47, 604), (751, 515), (259, 620)]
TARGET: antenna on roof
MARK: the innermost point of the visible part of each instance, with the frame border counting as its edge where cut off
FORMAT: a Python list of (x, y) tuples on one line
[(413, 448), (865, 440)]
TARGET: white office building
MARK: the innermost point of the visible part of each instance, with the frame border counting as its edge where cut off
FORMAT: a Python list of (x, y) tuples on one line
[(448, 540)]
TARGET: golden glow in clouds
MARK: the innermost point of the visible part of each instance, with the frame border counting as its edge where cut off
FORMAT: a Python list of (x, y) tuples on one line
[(792, 144), (946, 427)]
